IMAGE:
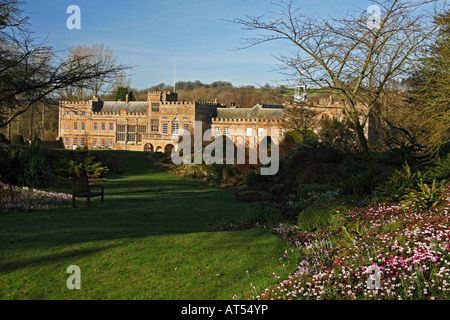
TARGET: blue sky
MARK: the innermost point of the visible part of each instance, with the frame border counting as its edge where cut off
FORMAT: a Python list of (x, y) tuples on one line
[(153, 36)]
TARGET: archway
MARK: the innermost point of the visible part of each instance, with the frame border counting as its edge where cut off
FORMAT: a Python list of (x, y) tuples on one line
[(148, 147), (168, 148), (159, 149)]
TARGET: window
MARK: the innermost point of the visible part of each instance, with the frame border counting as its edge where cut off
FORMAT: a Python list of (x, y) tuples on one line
[(75, 112), (249, 132), (155, 107), (102, 142), (217, 130), (66, 141), (165, 128), (74, 141), (82, 142), (226, 130), (103, 126), (260, 132), (283, 132), (110, 143), (141, 129), (175, 127), (82, 126), (111, 127), (67, 125), (121, 132), (186, 128), (155, 125), (186, 118), (67, 113), (94, 142), (75, 126), (83, 113), (131, 133), (95, 126)]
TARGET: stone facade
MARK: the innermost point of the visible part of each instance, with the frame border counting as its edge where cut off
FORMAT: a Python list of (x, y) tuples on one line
[(249, 125), (131, 125), (152, 125)]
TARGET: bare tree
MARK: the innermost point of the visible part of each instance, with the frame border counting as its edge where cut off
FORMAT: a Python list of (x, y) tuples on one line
[(31, 73), (300, 116), (354, 57), (99, 55)]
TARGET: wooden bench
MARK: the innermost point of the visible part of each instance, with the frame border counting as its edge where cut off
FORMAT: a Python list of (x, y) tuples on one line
[(81, 189)]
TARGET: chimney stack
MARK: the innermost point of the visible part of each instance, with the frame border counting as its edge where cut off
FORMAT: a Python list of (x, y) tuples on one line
[(127, 98)]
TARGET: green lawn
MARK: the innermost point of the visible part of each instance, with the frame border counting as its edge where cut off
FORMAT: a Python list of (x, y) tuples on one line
[(156, 237)]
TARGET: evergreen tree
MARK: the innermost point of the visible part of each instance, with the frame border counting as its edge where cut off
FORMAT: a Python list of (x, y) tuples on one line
[(121, 94), (431, 92)]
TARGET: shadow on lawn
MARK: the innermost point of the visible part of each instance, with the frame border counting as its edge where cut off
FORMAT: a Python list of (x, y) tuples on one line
[(7, 267), (142, 202), (133, 208)]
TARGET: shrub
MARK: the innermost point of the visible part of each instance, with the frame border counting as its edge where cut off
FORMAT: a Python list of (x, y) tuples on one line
[(66, 167), (426, 196), (272, 215), (278, 189), (17, 140), (33, 174), (3, 139), (399, 184), (338, 135), (91, 168), (251, 179), (27, 167), (362, 183), (320, 216), (441, 169), (302, 136)]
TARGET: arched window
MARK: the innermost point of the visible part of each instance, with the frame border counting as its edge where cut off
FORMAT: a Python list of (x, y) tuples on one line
[(325, 116), (175, 126)]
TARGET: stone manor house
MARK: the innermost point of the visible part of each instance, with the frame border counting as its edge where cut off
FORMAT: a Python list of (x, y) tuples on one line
[(151, 125)]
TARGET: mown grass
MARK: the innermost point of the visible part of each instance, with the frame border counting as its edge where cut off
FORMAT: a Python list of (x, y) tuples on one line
[(155, 237)]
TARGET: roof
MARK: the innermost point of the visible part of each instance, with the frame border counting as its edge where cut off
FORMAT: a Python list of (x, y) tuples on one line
[(257, 112), (117, 106)]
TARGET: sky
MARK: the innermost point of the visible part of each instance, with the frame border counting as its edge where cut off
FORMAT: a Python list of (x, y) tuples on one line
[(185, 40)]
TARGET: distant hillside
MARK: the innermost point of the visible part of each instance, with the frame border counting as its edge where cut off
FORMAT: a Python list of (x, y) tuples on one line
[(224, 92)]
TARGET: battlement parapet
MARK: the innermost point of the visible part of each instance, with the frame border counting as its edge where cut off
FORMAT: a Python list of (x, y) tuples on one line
[(177, 103), (242, 120), (209, 104), (111, 113), (70, 103)]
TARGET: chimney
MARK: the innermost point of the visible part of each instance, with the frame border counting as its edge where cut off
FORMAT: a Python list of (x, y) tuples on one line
[(127, 97)]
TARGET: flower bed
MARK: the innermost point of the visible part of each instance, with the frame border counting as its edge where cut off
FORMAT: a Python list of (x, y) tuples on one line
[(388, 253), (23, 199)]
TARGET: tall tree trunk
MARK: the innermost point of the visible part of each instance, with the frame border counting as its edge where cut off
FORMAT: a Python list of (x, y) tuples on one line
[(43, 123), (363, 145), (31, 123)]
